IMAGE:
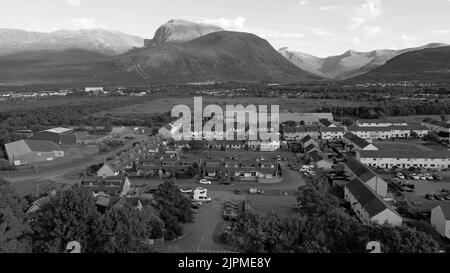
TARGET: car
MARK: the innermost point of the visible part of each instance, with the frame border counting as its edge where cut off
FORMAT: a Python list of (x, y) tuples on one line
[(204, 182), (238, 191), (407, 189), (196, 205), (439, 197), (400, 175), (429, 196), (414, 176), (422, 177), (278, 158), (428, 176), (200, 189), (437, 177), (445, 190), (230, 216), (447, 196), (202, 199), (186, 190)]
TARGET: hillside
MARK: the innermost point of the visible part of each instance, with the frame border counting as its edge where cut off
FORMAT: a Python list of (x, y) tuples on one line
[(98, 40), (431, 64), (220, 56), (348, 65)]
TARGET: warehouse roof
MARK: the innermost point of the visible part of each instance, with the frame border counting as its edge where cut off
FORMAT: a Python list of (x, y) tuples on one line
[(26, 146), (58, 130), (405, 154)]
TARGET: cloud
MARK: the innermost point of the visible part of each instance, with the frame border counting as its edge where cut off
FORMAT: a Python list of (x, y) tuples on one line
[(267, 34), (303, 3), (226, 23), (329, 8), (238, 24), (371, 31), (441, 32), (321, 32), (356, 41), (368, 11), (73, 2), (82, 23)]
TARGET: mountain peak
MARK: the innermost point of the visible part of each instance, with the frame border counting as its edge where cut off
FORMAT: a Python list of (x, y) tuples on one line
[(179, 31)]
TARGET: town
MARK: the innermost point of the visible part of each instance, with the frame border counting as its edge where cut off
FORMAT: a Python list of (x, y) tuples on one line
[(384, 171)]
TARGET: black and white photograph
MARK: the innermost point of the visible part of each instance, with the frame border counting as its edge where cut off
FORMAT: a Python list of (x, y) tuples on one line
[(225, 133)]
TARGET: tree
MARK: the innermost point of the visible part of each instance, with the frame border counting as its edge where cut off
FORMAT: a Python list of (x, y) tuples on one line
[(122, 230), (70, 215), (174, 208), (347, 122), (14, 231)]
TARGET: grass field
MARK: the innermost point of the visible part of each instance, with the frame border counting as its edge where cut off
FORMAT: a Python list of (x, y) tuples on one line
[(286, 105)]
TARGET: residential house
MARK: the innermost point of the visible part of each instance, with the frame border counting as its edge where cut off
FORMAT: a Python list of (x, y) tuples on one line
[(355, 169), (356, 143), (440, 219), (389, 159), (332, 133), (368, 206)]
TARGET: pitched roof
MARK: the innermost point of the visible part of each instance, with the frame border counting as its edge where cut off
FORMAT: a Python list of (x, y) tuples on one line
[(360, 170), (405, 154), (325, 122), (58, 130), (301, 129), (317, 156), (445, 207), (333, 129), (368, 199), (392, 121), (437, 123), (356, 140), (27, 146)]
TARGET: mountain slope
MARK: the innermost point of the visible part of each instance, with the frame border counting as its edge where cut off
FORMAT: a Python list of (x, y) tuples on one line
[(220, 56), (431, 64), (97, 40), (347, 65), (180, 31)]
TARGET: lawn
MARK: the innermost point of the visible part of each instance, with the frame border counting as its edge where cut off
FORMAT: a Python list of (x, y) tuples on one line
[(162, 105)]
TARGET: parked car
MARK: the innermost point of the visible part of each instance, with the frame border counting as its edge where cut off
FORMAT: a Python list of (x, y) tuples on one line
[(437, 177), (428, 176), (186, 190), (422, 177), (204, 182), (429, 196), (400, 175), (439, 197), (196, 205), (414, 176), (238, 191), (230, 215), (445, 190), (447, 196)]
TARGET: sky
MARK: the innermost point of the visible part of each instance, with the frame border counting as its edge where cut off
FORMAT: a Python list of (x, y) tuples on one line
[(318, 27)]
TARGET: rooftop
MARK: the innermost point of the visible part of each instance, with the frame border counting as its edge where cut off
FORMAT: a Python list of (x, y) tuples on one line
[(360, 170), (58, 130), (368, 199), (405, 154), (356, 140)]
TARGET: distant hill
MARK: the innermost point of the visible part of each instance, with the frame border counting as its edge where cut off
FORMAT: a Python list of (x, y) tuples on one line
[(180, 31), (220, 56), (431, 64), (97, 40), (347, 65)]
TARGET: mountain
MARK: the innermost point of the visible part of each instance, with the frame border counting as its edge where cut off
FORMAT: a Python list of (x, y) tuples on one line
[(220, 56), (347, 65), (98, 40), (180, 31), (430, 64)]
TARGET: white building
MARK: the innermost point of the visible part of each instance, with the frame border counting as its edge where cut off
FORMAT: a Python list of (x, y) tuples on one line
[(388, 132), (332, 133), (368, 206), (380, 123), (93, 89), (440, 219), (388, 159)]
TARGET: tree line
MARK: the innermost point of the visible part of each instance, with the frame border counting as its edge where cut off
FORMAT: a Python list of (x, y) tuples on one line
[(72, 215)]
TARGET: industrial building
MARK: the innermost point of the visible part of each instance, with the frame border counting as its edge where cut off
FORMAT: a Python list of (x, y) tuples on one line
[(25, 152), (60, 136)]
